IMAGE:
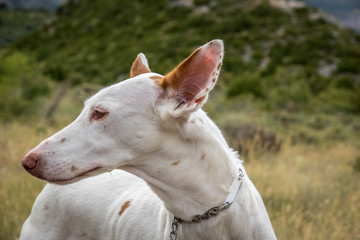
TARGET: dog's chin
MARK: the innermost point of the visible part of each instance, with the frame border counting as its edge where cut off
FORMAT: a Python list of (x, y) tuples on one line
[(81, 176)]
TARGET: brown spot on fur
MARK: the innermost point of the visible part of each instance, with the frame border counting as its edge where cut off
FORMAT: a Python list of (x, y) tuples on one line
[(199, 100), (176, 163), (124, 207), (73, 168), (46, 207), (63, 140), (214, 80), (157, 79), (219, 66), (202, 157)]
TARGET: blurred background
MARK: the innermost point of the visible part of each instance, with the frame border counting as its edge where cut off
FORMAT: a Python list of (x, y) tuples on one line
[(288, 97)]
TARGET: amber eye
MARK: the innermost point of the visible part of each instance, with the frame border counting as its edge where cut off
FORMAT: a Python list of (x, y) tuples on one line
[(98, 114)]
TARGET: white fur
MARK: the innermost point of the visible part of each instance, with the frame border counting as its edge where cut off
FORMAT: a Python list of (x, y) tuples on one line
[(183, 168)]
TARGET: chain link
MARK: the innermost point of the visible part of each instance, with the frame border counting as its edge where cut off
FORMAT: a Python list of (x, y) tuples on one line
[(212, 212), (174, 227)]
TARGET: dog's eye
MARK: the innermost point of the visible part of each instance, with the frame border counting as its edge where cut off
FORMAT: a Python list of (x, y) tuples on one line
[(98, 114)]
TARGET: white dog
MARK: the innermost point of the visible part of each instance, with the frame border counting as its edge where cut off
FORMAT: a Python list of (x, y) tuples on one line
[(175, 175)]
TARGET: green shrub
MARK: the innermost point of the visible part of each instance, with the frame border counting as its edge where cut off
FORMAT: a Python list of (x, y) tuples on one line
[(21, 83), (338, 99), (265, 15), (317, 83), (302, 12), (201, 2), (349, 65), (292, 97), (202, 21), (247, 83), (357, 99), (287, 89), (346, 82)]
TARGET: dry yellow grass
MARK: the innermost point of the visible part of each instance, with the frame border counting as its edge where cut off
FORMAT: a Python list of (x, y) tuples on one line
[(310, 192), (17, 188)]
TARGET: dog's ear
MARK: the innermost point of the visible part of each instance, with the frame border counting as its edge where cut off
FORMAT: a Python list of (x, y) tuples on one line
[(139, 66), (186, 88)]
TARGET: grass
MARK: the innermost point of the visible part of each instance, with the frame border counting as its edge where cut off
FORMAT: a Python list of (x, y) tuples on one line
[(17, 188), (311, 192)]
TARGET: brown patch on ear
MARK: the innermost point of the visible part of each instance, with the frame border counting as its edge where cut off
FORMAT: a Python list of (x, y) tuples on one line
[(188, 85), (202, 157), (173, 78), (138, 67), (185, 78), (124, 207)]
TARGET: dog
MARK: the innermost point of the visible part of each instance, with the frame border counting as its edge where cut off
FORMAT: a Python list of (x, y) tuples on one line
[(144, 161)]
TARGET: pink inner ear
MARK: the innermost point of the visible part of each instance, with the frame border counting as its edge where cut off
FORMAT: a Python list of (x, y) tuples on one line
[(196, 74)]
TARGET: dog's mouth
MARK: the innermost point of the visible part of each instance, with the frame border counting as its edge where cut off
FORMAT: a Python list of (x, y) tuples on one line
[(92, 172)]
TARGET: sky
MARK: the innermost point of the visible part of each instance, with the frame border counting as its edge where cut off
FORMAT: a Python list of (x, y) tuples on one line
[(347, 11)]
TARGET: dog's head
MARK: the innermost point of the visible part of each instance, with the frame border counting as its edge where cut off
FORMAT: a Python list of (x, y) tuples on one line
[(132, 121)]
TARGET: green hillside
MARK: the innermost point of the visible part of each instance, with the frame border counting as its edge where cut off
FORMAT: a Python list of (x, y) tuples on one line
[(286, 59), (15, 24)]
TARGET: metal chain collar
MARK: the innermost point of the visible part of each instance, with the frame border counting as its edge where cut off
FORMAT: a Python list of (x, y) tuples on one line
[(174, 227), (212, 212)]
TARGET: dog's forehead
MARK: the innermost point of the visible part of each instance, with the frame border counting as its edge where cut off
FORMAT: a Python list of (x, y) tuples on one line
[(132, 90)]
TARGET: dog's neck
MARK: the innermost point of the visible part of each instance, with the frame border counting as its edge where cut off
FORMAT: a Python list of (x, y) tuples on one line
[(190, 176)]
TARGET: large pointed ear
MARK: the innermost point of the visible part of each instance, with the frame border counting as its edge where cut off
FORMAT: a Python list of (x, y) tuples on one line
[(139, 66), (186, 88)]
